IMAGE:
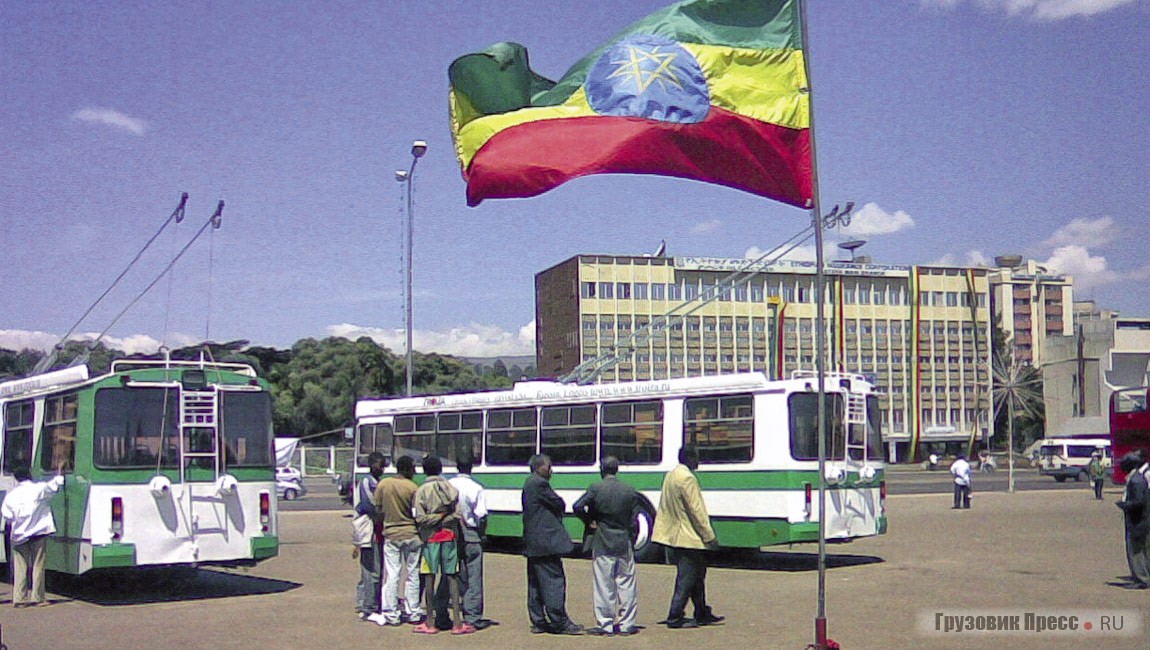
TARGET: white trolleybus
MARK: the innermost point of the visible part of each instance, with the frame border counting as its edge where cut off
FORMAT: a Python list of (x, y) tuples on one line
[(757, 442), (164, 462)]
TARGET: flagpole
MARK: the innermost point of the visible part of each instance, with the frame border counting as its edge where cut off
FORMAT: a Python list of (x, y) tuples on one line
[(820, 343)]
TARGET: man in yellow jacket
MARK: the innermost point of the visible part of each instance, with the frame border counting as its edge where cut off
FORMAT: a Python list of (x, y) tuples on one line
[(683, 526)]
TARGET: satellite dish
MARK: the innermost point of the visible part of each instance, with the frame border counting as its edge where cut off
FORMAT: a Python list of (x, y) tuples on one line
[(852, 246)]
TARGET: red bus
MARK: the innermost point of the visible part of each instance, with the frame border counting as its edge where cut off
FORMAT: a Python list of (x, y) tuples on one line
[(1129, 425)]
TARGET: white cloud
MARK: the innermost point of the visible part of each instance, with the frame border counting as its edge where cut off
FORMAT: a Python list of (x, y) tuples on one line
[(133, 344), (111, 117), (1039, 9), (1088, 233), (967, 259), (472, 340), (871, 220), (1088, 270), (706, 226)]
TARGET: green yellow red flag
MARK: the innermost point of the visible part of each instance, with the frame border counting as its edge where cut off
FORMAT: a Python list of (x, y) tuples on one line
[(711, 90)]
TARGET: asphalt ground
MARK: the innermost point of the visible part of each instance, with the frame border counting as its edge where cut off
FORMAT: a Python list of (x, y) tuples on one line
[(1037, 551)]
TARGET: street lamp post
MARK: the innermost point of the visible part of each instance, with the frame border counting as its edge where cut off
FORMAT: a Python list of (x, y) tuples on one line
[(418, 148)]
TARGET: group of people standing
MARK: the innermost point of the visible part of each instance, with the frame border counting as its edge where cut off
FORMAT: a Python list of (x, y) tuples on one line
[(403, 531), (610, 509), (429, 536)]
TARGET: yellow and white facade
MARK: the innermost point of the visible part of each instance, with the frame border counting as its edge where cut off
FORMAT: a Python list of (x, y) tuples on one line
[(921, 332)]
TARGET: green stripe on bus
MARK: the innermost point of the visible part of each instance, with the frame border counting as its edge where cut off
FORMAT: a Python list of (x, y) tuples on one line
[(265, 547), (723, 480), (732, 533), (113, 555)]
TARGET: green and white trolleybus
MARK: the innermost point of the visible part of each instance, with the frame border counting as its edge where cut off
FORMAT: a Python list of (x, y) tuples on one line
[(164, 462), (757, 441)]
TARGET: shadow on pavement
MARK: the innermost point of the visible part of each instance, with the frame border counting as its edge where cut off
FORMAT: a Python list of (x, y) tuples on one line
[(790, 561), (787, 560), (160, 585)]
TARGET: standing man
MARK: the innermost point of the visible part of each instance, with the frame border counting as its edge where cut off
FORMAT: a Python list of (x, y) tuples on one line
[(610, 508), (1097, 473), (394, 497), (684, 527), (1136, 507), (437, 518), (28, 514), (545, 541), (960, 469), (473, 514), (371, 553)]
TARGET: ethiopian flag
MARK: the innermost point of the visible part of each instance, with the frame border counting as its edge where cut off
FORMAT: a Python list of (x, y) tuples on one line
[(711, 90)]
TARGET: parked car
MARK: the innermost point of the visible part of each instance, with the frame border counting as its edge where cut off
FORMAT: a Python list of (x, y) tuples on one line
[(289, 474), (343, 487), (290, 490)]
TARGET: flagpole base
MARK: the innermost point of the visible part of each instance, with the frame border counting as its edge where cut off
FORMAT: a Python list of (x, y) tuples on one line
[(820, 634)]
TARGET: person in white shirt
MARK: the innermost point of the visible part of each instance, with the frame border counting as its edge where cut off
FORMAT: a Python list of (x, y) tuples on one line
[(473, 508), (27, 513), (960, 469)]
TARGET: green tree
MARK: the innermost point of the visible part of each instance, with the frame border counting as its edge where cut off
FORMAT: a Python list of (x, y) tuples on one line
[(499, 369)]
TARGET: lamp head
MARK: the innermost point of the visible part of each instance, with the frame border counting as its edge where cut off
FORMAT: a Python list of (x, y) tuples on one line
[(418, 148), (401, 176)]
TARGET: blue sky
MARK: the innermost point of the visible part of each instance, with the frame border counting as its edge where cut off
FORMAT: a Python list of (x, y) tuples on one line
[(964, 128)]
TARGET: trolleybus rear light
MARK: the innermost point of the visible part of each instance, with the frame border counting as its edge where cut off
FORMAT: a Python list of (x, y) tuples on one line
[(807, 500), (882, 495), (265, 511), (117, 518)]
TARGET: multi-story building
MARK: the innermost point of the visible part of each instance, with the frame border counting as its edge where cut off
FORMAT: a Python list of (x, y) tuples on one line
[(921, 332), (1082, 370), (1033, 305)]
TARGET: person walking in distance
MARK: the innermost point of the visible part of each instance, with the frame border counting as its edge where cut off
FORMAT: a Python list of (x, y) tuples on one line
[(960, 470), (28, 514), (545, 541), (473, 513), (394, 497), (684, 527), (610, 508), (1097, 471)]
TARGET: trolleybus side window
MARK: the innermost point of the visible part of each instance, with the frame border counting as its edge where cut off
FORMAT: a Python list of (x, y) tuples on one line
[(59, 440), (458, 433), (874, 429), (633, 432), (247, 427), (568, 434), (721, 428), (510, 436), (374, 437), (415, 435), (18, 436), (133, 427), (804, 426)]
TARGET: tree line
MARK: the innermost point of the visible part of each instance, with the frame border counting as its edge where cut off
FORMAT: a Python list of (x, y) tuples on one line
[(315, 383)]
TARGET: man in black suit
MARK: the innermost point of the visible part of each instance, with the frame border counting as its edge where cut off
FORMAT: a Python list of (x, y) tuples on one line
[(1135, 505), (545, 541)]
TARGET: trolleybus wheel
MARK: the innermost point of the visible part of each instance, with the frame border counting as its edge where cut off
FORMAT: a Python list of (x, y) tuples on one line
[(645, 549)]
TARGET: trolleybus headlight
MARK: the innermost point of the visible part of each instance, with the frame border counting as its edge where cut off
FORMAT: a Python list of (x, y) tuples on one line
[(265, 511), (117, 518), (160, 486), (226, 485)]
